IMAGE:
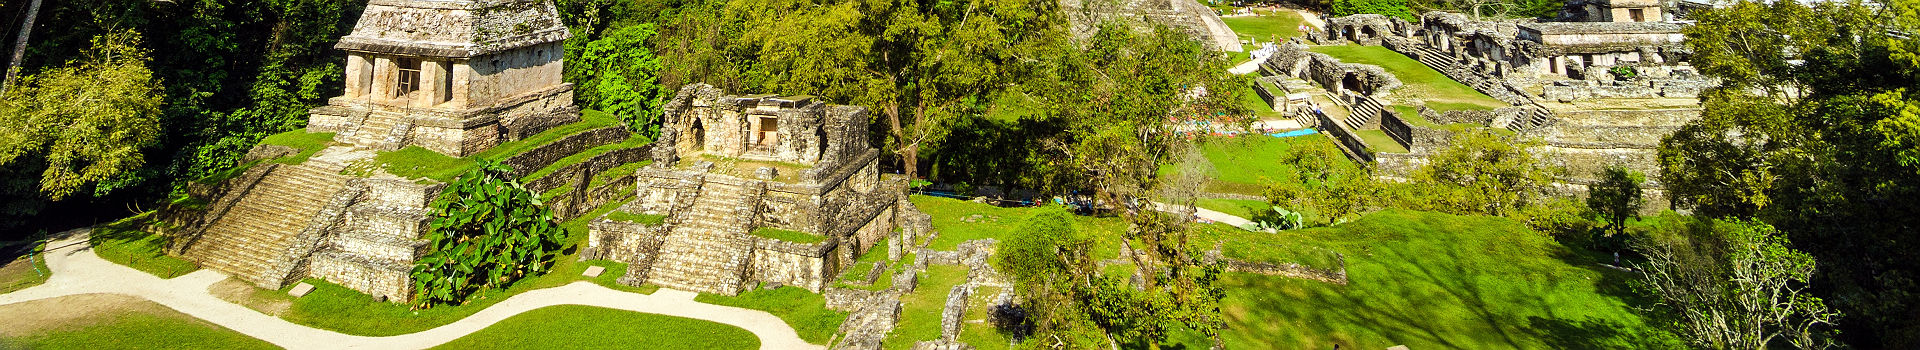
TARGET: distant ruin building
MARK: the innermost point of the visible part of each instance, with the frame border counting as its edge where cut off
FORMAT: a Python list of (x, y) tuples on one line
[(1599, 91), (455, 77), (752, 189), (1200, 21)]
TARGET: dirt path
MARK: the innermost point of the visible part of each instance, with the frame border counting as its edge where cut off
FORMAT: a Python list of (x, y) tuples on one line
[(78, 271)]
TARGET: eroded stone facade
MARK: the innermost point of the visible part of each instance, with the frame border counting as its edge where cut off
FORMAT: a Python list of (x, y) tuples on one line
[(455, 77), (726, 166)]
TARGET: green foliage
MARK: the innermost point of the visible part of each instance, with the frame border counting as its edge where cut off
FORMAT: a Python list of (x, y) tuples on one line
[(138, 325), (622, 78), (1811, 131), (588, 327), (486, 232), (803, 310), (1624, 72), (91, 121), (1430, 280), (1390, 8), (1322, 181), (1482, 173), (1617, 197), (1733, 284)]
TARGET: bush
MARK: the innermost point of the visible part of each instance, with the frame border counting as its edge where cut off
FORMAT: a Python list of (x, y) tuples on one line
[(487, 231)]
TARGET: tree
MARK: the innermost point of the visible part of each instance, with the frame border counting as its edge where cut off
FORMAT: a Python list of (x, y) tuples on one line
[(1113, 101), (90, 121), (1321, 180), (1733, 284), (1483, 173), (1390, 8), (1616, 198), (1811, 131), (622, 78), (486, 231)]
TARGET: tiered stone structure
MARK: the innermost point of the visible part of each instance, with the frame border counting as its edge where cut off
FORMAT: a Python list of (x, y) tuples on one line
[(452, 76), (725, 166), (1597, 93)]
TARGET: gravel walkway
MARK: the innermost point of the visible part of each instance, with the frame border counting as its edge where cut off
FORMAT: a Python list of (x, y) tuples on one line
[(78, 271)]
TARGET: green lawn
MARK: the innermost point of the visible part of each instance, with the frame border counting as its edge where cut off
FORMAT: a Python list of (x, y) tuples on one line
[(1269, 26), (307, 142), (920, 312), (1261, 109), (957, 222), (804, 310), (124, 242), (1247, 165), (983, 336), (1437, 90), (414, 162), (588, 327), (1380, 141), (154, 327), (26, 271), (1437, 281)]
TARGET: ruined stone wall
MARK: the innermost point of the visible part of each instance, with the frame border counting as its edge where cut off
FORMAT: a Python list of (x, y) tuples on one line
[(515, 72), (809, 266), (535, 159)]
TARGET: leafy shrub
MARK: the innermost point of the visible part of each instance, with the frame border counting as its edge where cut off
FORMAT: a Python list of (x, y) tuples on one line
[(487, 232)]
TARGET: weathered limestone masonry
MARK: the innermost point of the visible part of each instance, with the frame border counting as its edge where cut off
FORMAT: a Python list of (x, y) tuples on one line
[(726, 166), (1186, 15), (455, 77), (1596, 93)]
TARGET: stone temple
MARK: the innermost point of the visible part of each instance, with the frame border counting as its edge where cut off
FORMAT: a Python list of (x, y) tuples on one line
[(729, 169), (455, 77)]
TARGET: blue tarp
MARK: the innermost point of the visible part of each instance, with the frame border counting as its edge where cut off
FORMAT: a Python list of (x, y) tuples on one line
[(1301, 132)]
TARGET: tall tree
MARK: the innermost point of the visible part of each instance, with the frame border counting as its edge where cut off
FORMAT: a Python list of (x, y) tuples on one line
[(1617, 197), (1812, 130), (1733, 284), (91, 120)]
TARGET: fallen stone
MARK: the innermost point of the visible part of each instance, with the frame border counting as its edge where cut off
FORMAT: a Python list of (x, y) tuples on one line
[(301, 290), (593, 271)]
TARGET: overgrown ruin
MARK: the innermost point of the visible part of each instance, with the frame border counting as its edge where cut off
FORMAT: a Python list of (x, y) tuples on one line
[(1596, 93)]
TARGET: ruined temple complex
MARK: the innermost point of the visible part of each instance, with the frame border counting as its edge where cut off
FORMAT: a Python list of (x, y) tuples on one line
[(458, 78), (726, 169), (1599, 90)]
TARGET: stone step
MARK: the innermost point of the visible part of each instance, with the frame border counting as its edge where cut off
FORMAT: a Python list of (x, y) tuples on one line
[(262, 226)]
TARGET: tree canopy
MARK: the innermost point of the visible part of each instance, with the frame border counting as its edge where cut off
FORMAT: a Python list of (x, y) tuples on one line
[(91, 121)]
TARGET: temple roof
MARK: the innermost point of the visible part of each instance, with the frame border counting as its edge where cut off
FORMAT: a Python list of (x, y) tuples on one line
[(453, 28), (1575, 28)]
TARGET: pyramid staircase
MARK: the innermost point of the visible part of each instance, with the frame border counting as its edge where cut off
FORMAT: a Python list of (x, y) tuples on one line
[(1365, 115), (708, 249), (268, 232), (386, 131)]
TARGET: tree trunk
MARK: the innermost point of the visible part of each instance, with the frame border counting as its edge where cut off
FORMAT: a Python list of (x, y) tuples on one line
[(20, 46)]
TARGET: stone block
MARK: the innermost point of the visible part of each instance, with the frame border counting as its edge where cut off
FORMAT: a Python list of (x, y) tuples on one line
[(593, 271), (300, 290)]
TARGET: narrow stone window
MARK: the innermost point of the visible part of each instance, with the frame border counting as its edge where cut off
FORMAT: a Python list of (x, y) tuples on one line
[(1637, 14), (409, 77)]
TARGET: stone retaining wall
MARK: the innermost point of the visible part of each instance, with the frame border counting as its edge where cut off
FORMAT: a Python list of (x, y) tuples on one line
[(535, 159)]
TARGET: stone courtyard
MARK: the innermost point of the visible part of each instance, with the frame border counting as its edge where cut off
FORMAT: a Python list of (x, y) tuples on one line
[(1599, 89)]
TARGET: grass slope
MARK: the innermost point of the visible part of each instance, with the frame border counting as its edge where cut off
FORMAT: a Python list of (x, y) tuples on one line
[(1247, 165), (588, 327), (1437, 90), (960, 221), (920, 312), (414, 162), (1433, 281), (1268, 26), (307, 142), (124, 242), (26, 270), (145, 325), (804, 310)]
